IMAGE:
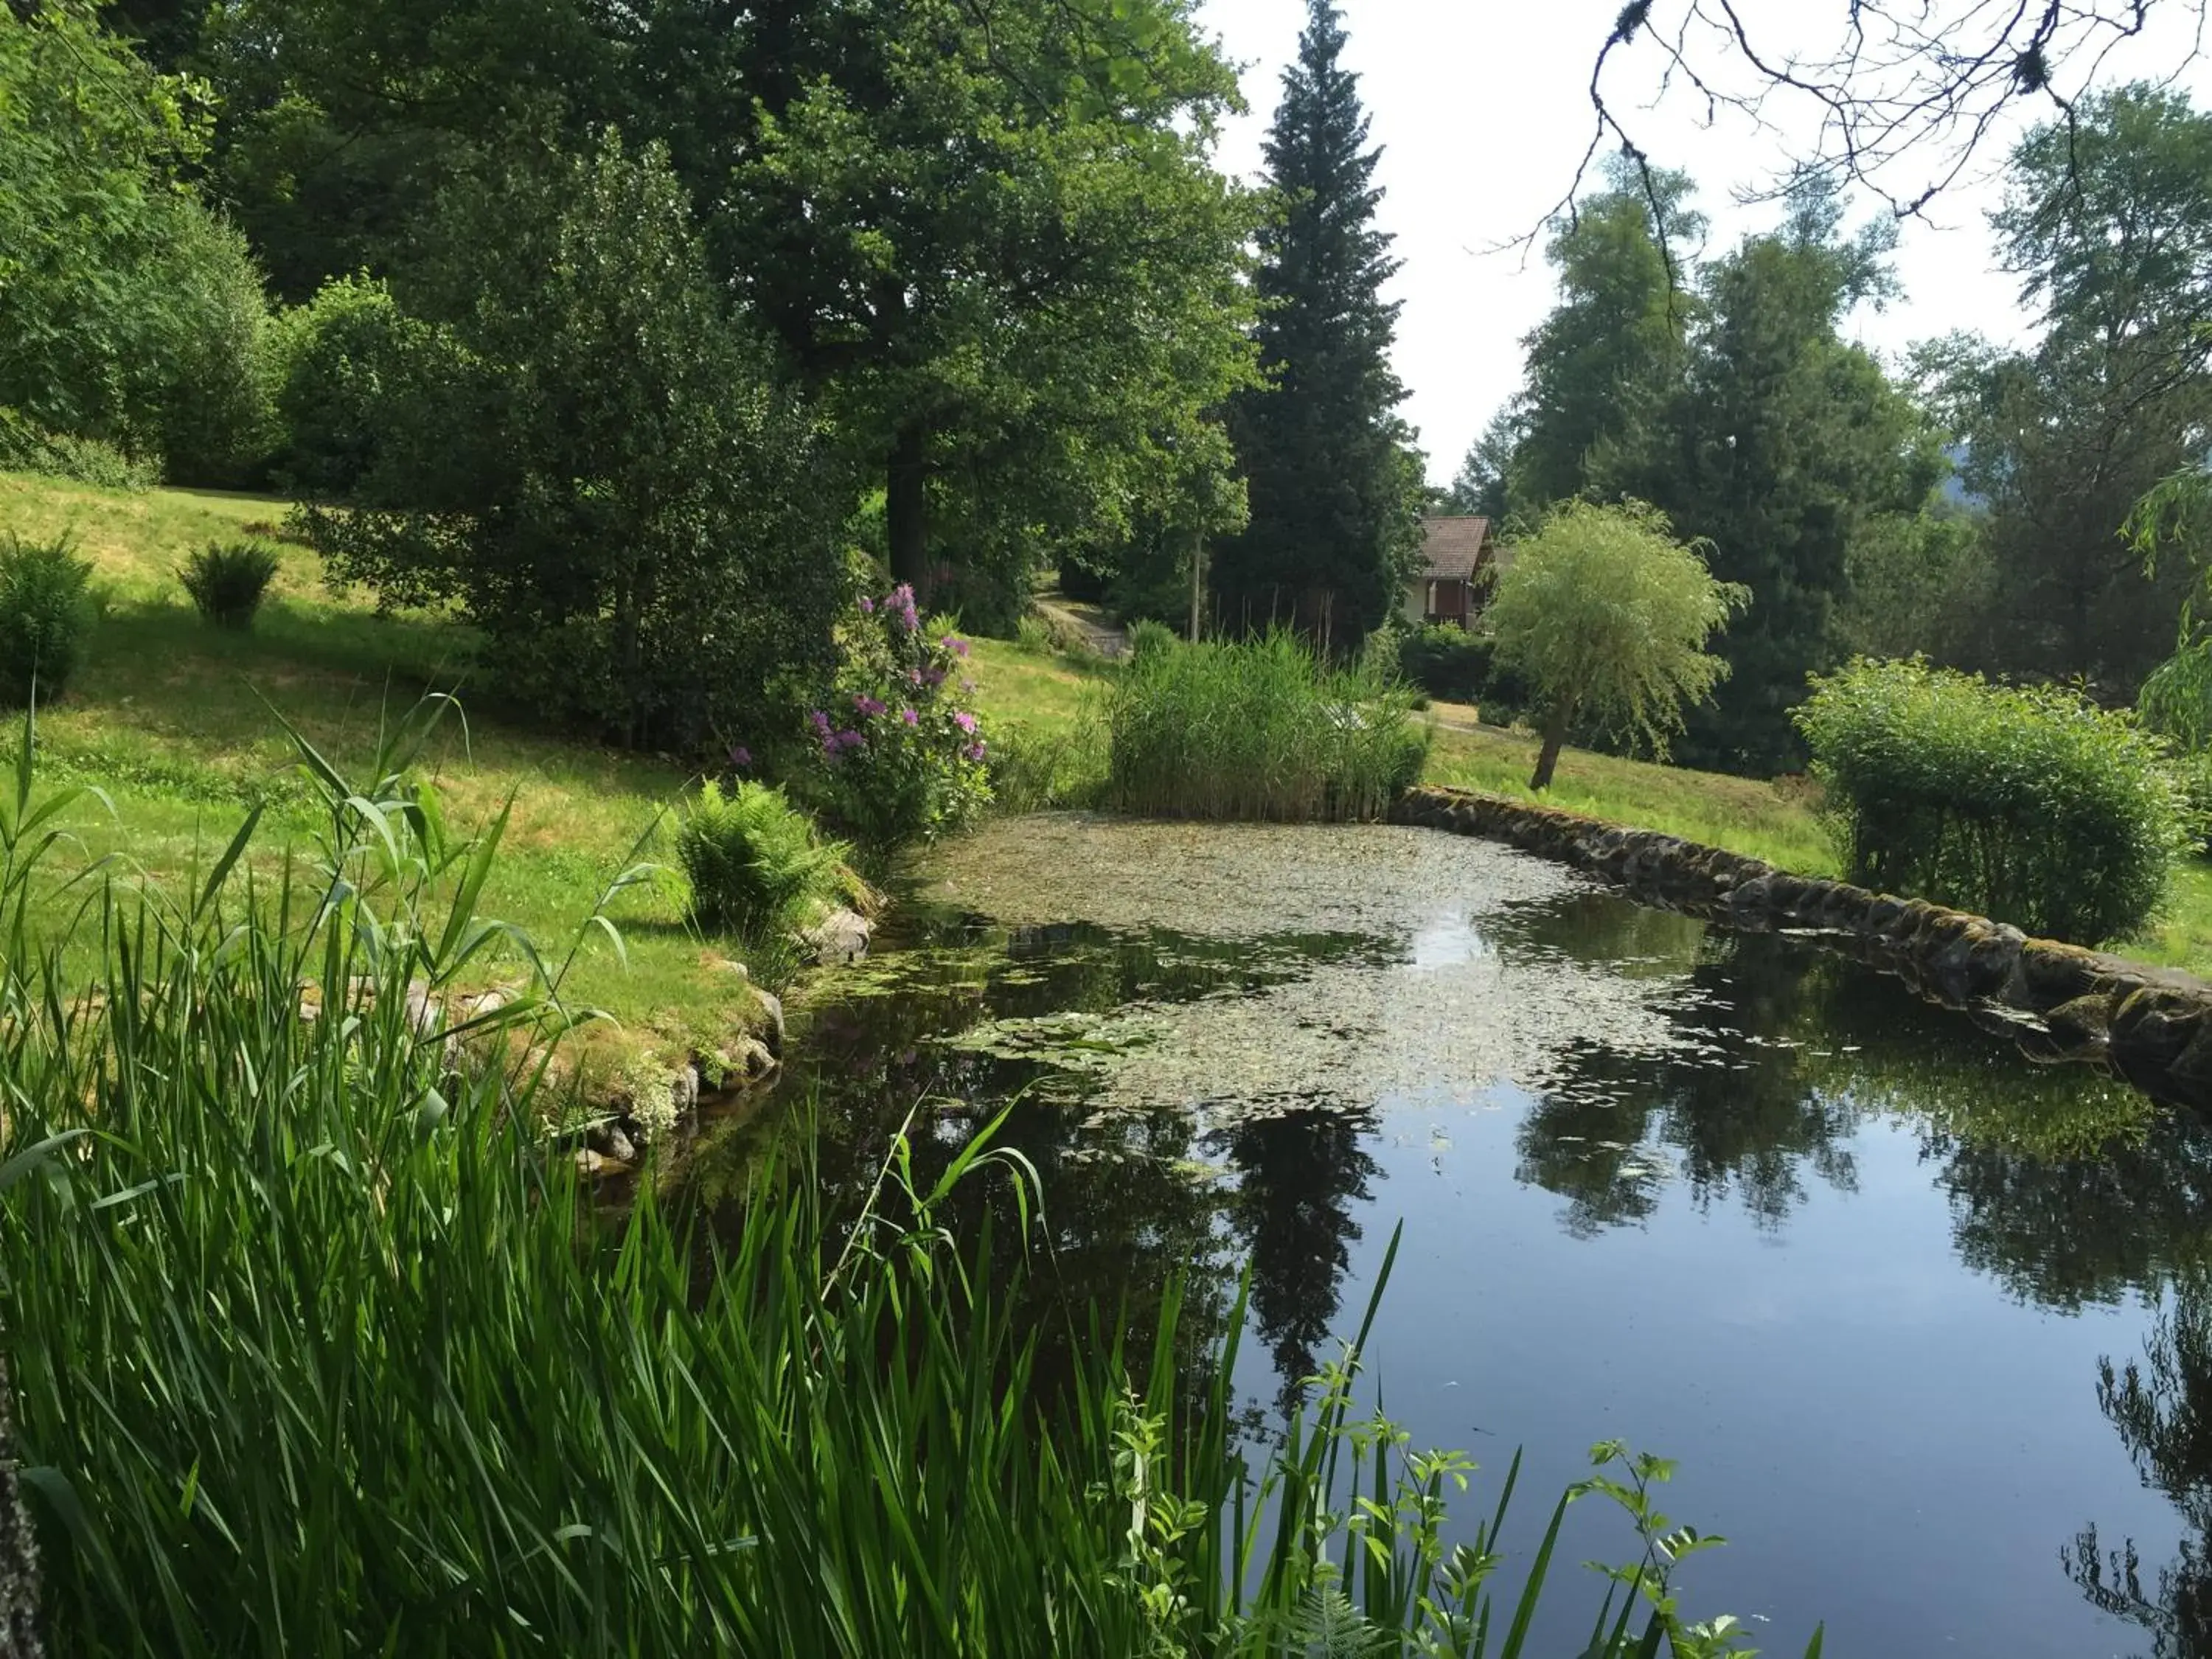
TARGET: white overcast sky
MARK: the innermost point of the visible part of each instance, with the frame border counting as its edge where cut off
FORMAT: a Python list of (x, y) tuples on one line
[(1481, 109)]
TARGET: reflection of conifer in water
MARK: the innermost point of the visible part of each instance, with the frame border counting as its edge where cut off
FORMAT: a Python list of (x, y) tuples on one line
[(1299, 1175), (2162, 1407)]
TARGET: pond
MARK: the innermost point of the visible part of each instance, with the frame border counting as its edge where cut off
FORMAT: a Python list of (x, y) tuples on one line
[(1928, 1327)]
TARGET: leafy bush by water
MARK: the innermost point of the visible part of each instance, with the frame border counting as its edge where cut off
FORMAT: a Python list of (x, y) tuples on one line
[(227, 581), (756, 866), (2027, 803), (1257, 729), (46, 611), (317, 1349)]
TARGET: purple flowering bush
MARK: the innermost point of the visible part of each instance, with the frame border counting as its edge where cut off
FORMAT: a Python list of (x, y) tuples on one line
[(901, 758)]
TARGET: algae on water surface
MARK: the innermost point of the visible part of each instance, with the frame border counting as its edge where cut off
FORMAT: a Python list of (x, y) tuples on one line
[(1469, 968)]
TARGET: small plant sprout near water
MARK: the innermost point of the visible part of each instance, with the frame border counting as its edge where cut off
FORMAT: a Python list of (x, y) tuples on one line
[(756, 866), (227, 580)]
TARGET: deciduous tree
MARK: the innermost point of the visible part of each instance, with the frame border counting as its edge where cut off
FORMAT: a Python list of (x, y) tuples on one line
[(1606, 616)]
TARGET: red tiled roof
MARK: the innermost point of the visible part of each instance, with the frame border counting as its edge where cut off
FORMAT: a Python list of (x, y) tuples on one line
[(1453, 546)]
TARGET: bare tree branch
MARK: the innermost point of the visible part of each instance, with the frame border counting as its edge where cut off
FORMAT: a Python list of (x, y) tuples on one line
[(1903, 94)]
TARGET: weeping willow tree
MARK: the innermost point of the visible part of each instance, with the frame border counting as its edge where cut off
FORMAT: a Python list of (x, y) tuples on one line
[(2176, 518)]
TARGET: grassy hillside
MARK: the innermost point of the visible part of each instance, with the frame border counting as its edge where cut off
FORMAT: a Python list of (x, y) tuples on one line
[(168, 717)]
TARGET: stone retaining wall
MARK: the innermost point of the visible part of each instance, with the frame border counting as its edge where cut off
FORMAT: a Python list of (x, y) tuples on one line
[(2059, 1001)]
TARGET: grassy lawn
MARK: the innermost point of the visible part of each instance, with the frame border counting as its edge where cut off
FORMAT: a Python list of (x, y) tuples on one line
[(167, 716)]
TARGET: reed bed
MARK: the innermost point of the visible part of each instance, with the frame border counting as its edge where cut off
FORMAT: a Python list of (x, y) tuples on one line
[(318, 1347), (1258, 729)]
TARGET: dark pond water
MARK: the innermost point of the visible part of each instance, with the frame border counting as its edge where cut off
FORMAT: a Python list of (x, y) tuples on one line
[(1928, 1328)]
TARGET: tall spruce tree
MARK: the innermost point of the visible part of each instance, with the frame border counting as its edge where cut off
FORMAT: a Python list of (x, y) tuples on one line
[(1335, 484)]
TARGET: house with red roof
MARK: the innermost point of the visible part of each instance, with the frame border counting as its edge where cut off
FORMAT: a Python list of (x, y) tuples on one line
[(1460, 558)]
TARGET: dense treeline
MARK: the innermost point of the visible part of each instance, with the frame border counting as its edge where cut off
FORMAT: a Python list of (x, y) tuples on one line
[(620, 325), (1967, 505)]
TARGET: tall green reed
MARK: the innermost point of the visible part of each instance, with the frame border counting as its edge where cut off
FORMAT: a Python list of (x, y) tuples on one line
[(1258, 728), (319, 1347)]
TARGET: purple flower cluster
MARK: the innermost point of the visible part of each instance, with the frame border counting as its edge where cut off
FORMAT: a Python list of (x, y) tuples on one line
[(898, 604), (974, 750), (965, 721), (869, 707), (834, 741)]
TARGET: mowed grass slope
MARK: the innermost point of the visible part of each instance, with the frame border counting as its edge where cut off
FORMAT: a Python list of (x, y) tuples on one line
[(177, 723), (1777, 820)]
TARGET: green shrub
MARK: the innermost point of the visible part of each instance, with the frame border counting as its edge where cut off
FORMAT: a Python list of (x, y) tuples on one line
[(341, 361), (756, 865), (1147, 636), (218, 422), (2027, 803), (902, 757), (227, 580), (46, 611), (445, 1394), (595, 452), (1034, 633), (1447, 662), (1257, 729), (26, 447)]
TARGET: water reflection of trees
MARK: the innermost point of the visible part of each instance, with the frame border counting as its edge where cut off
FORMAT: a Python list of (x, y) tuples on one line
[(2161, 1405), (2067, 1187), (1726, 1109), (1299, 1174)]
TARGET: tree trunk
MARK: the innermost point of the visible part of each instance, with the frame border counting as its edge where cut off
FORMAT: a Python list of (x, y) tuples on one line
[(1555, 738), (906, 506)]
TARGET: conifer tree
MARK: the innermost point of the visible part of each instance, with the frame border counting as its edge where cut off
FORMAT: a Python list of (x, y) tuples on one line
[(1334, 484)]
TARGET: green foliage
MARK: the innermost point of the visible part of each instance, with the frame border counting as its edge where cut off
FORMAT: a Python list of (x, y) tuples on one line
[(1605, 617), (338, 360), (2107, 217), (1605, 365), (1334, 495), (1257, 729), (227, 581), (1447, 662), (594, 455), (996, 247), (1787, 447), (1046, 770), (45, 611), (26, 447), (1147, 636), (901, 755), (2027, 803), (433, 1407), (127, 312), (758, 868)]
